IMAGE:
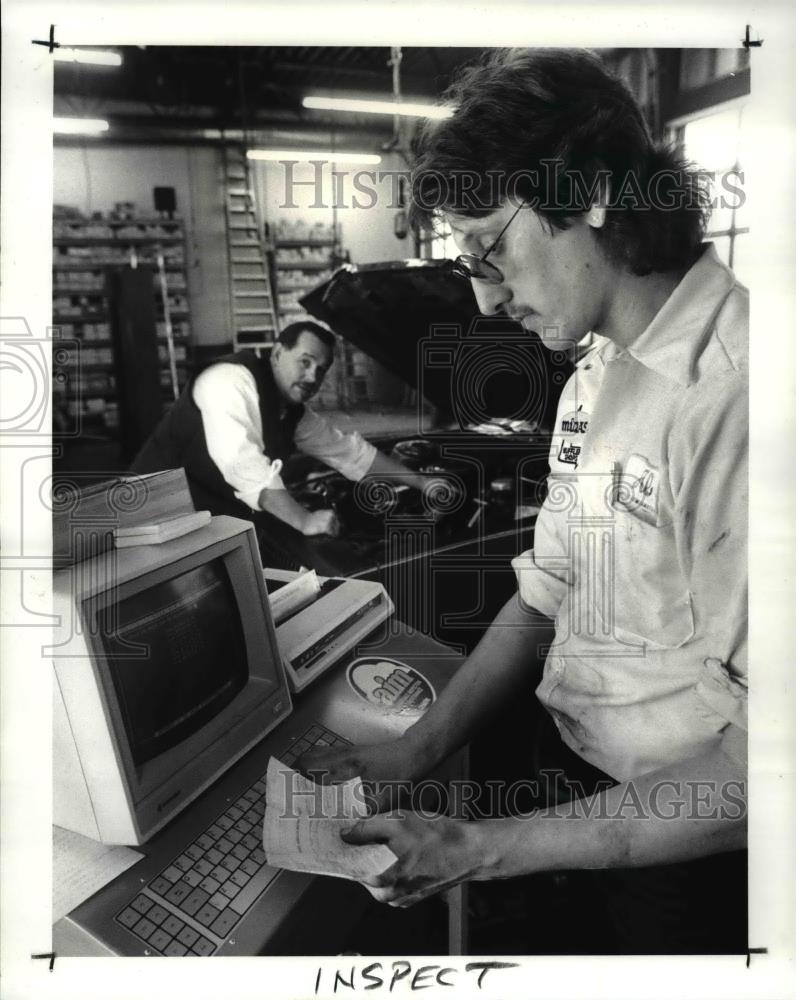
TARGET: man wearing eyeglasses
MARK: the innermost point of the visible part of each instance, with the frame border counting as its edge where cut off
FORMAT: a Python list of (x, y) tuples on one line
[(630, 617)]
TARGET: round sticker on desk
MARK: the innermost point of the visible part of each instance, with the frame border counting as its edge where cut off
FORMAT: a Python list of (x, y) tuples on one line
[(390, 685)]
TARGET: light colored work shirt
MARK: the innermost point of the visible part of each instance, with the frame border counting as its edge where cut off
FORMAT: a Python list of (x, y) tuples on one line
[(640, 550), (227, 397)]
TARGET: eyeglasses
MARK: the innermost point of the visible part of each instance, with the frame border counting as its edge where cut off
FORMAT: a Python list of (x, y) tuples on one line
[(470, 265)]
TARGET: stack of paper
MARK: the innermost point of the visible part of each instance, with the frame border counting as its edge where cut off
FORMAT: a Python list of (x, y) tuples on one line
[(303, 823)]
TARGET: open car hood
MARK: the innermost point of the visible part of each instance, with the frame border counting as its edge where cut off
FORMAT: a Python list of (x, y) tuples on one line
[(421, 322)]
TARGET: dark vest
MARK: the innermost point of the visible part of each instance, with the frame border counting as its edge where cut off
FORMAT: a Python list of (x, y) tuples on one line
[(179, 439)]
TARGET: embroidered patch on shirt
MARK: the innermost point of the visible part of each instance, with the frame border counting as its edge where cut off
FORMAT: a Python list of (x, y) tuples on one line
[(570, 426), (576, 422), (640, 486)]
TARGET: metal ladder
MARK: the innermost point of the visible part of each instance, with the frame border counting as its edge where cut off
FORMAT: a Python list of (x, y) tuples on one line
[(251, 296)]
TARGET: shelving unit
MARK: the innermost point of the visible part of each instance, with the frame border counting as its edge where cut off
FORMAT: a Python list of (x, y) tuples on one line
[(83, 252), (305, 256)]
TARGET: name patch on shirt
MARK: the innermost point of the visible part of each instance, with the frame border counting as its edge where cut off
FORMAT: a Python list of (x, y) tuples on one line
[(640, 487)]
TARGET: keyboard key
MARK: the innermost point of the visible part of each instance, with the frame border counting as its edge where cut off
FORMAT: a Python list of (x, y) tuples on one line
[(183, 862), (144, 928), (157, 915), (195, 901), (129, 917), (235, 835), (203, 947), (142, 904), (219, 900), (250, 867), (224, 845), (242, 804), (172, 874), (230, 889), (239, 878), (224, 923), (193, 878), (215, 831), (206, 915), (160, 885), (234, 812), (224, 822), (220, 874), (251, 817), (178, 892), (242, 827), (172, 925), (194, 852), (204, 866), (250, 841), (214, 855), (210, 885), (175, 950), (240, 852), (187, 936), (260, 786), (230, 863), (249, 894), (258, 855), (160, 940), (205, 842)]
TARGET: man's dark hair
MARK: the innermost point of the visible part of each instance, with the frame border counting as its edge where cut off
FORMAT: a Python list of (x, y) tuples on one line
[(555, 129), (289, 336)]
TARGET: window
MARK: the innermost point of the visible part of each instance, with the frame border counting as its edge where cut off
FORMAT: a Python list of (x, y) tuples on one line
[(438, 244), (713, 140)]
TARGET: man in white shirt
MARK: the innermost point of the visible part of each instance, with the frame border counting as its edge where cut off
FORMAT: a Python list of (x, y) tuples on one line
[(630, 618), (238, 422)]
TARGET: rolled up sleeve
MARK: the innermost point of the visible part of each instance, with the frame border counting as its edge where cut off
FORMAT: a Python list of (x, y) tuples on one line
[(543, 572), (346, 451), (226, 395)]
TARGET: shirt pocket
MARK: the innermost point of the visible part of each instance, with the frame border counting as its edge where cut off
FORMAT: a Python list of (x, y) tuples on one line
[(647, 601)]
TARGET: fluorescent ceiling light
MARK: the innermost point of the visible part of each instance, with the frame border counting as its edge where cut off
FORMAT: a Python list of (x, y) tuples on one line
[(79, 126), (338, 156), (377, 107), (91, 57)]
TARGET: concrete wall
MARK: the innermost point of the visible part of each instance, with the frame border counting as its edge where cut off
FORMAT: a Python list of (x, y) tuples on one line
[(311, 194)]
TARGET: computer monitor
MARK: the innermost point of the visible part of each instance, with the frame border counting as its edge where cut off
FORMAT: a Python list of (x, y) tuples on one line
[(166, 671)]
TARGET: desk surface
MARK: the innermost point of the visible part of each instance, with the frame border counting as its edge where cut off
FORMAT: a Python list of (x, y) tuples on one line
[(91, 929)]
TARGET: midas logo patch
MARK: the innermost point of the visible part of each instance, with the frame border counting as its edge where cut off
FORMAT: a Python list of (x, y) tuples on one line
[(576, 422)]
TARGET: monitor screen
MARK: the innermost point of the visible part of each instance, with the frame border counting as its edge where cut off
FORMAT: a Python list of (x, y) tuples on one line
[(177, 656)]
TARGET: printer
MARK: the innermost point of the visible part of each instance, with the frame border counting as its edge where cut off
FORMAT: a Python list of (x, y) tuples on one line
[(320, 619)]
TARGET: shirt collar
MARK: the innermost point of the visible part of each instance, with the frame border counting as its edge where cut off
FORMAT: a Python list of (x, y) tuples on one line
[(670, 343)]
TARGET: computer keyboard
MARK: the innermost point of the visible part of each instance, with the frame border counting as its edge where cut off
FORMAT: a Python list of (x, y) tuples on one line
[(191, 907)]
